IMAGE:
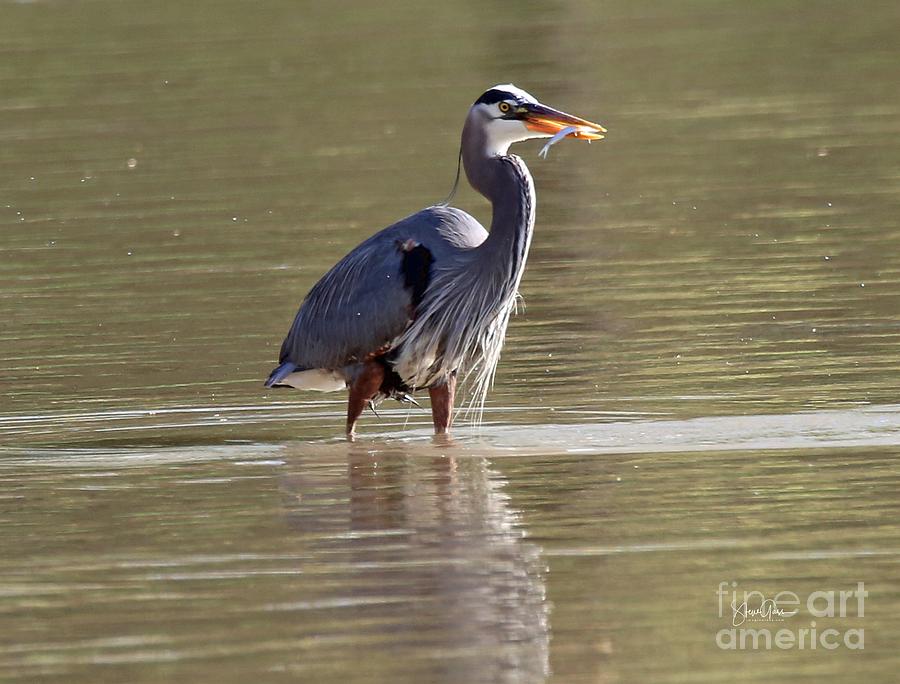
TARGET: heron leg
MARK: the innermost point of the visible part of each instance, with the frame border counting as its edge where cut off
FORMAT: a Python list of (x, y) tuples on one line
[(442, 396), (362, 391)]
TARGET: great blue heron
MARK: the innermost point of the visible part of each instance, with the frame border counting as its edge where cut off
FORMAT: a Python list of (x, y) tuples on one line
[(427, 300)]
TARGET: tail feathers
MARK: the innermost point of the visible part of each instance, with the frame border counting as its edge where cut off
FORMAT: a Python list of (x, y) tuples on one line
[(280, 373), (319, 379)]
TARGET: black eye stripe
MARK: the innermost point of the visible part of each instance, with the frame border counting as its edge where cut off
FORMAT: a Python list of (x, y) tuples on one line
[(493, 96)]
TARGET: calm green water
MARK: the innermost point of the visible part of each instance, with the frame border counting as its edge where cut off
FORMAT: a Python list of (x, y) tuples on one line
[(701, 389)]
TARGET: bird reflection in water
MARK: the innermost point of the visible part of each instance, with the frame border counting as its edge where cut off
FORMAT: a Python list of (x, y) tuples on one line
[(425, 544)]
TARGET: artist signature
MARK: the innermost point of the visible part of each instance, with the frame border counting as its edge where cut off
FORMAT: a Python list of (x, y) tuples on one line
[(767, 611)]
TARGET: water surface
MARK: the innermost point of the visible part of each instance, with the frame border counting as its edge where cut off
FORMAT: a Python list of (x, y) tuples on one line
[(702, 386)]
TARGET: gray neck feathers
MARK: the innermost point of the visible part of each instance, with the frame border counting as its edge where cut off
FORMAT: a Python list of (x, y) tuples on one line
[(505, 181), (462, 321)]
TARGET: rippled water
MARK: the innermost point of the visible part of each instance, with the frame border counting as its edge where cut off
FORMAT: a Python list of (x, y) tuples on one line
[(702, 386)]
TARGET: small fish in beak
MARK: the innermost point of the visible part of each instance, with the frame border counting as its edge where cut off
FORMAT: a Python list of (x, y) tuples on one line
[(559, 125), (568, 130)]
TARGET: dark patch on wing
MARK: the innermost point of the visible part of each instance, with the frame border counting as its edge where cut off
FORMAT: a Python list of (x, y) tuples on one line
[(494, 95), (416, 269)]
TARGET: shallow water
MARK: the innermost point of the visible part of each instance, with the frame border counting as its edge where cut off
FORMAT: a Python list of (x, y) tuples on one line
[(702, 386)]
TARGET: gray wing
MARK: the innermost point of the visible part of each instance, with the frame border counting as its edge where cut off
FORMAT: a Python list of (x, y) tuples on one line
[(368, 298)]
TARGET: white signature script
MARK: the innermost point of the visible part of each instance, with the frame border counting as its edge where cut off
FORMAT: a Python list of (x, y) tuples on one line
[(768, 611)]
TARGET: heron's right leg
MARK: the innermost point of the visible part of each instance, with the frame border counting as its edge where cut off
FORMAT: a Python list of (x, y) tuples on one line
[(442, 396), (362, 390)]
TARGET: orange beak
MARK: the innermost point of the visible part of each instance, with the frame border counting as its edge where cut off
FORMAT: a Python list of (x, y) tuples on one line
[(543, 119)]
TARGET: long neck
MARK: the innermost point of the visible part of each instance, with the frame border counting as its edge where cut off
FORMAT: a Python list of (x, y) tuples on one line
[(505, 181)]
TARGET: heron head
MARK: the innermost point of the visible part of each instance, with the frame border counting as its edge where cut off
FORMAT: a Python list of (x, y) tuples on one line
[(507, 114)]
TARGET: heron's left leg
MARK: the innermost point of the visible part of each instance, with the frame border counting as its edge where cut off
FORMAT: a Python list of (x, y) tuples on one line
[(442, 396), (362, 390)]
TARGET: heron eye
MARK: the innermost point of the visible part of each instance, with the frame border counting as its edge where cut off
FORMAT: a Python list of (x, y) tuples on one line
[(504, 107)]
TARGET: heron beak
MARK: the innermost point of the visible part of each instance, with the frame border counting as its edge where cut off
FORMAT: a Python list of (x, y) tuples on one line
[(543, 119)]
